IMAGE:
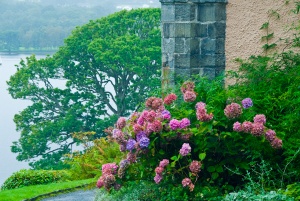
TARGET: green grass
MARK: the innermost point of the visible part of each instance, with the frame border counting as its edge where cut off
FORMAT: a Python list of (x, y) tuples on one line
[(28, 192)]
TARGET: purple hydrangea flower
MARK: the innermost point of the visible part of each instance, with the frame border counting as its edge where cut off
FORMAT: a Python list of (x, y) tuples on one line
[(144, 142), (163, 163), (140, 135), (185, 122), (247, 102), (130, 144), (174, 124), (185, 149), (166, 114), (157, 178)]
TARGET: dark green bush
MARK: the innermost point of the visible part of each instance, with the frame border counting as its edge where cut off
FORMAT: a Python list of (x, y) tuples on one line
[(34, 177)]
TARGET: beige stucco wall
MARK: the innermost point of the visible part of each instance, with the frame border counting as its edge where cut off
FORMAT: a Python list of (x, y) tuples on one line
[(244, 20)]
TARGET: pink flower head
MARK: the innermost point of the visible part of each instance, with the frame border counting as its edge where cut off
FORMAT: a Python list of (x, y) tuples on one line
[(141, 120), (186, 182), (155, 126), (247, 126), (276, 143), (108, 180), (237, 126), (189, 96), (233, 110), (200, 105), (157, 104), (158, 178), (169, 99), (164, 163), (150, 116), (137, 128), (187, 86), (185, 122), (109, 168), (174, 124), (260, 118), (270, 135), (201, 112), (119, 136), (121, 123), (257, 129), (131, 157), (185, 149), (159, 170), (195, 167), (100, 182)]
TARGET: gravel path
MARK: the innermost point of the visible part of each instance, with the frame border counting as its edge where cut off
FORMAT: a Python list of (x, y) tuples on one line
[(80, 195)]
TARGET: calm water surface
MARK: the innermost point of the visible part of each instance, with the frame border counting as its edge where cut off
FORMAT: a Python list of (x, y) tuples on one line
[(8, 108)]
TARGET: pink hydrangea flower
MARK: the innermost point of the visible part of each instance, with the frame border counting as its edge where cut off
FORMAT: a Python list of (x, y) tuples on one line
[(237, 126), (257, 129), (276, 143), (164, 163), (159, 170), (121, 123), (109, 168), (186, 182), (259, 118), (169, 99), (166, 114), (150, 116), (137, 128), (195, 167), (185, 122), (233, 110), (187, 86), (155, 126), (185, 149), (100, 182), (174, 124), (270, 135), (158, 178), (189, 96), (247, 126)]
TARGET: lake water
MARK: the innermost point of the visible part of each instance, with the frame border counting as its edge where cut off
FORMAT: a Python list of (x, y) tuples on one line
[(8, 108)]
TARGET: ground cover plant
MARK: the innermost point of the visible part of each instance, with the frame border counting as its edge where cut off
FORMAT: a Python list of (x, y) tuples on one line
[(28, 192)]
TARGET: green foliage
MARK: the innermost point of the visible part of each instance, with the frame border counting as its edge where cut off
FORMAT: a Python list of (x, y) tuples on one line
[(34, 177), (30, 192), (293, 190), (96, 153), (250, 196), (103, 71)]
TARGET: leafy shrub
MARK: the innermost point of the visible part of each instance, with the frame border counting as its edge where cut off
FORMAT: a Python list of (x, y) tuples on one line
[(192, 146), (34, 177), (251, 196), (293, 190), (97, 152)]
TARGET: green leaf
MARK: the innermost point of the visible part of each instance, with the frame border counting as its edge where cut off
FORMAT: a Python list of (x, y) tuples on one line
[(211, 169), (219, 169), (265, 25), (161, 152), (174, 158), (214, 175), (202, 156)]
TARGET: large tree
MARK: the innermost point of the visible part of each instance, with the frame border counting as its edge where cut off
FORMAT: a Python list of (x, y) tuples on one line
[(103, 71)]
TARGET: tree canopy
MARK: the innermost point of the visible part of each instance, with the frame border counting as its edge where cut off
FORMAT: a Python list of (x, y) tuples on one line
[(103, 71)]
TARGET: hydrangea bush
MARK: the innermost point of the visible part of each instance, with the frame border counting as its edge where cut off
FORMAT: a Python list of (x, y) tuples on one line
[(188, 139)]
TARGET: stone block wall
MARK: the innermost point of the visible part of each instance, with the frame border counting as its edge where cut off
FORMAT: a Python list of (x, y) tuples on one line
[(193, 37)]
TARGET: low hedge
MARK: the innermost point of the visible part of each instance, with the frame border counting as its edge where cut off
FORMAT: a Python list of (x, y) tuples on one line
[(34, 177)]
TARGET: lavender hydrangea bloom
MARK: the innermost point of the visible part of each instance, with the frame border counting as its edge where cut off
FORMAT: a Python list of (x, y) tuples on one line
[(185, 149), (185, 122), (247, 102), (130, 144), (140, 135), (157, 178), (144, 142), (174, 124), (166, 114)]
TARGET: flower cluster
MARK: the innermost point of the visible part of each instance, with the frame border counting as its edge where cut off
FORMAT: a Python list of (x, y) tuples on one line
[(169, 99), (185, 149), (247, 103), (257, 128), (233, 111), (108, 178), (201, 112), (154, 103), (159, 170), (187, 89), (176, 124)]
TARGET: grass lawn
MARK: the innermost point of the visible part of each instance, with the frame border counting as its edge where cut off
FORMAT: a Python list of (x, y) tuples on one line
[(27, 192)]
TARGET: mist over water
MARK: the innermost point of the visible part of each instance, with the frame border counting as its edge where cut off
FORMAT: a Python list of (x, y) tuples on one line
[(8, 108)]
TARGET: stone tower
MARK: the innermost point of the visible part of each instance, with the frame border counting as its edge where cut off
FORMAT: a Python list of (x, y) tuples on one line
[(193, 38)]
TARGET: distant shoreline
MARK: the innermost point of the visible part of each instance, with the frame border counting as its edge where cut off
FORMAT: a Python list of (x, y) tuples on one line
[(36, 52)]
